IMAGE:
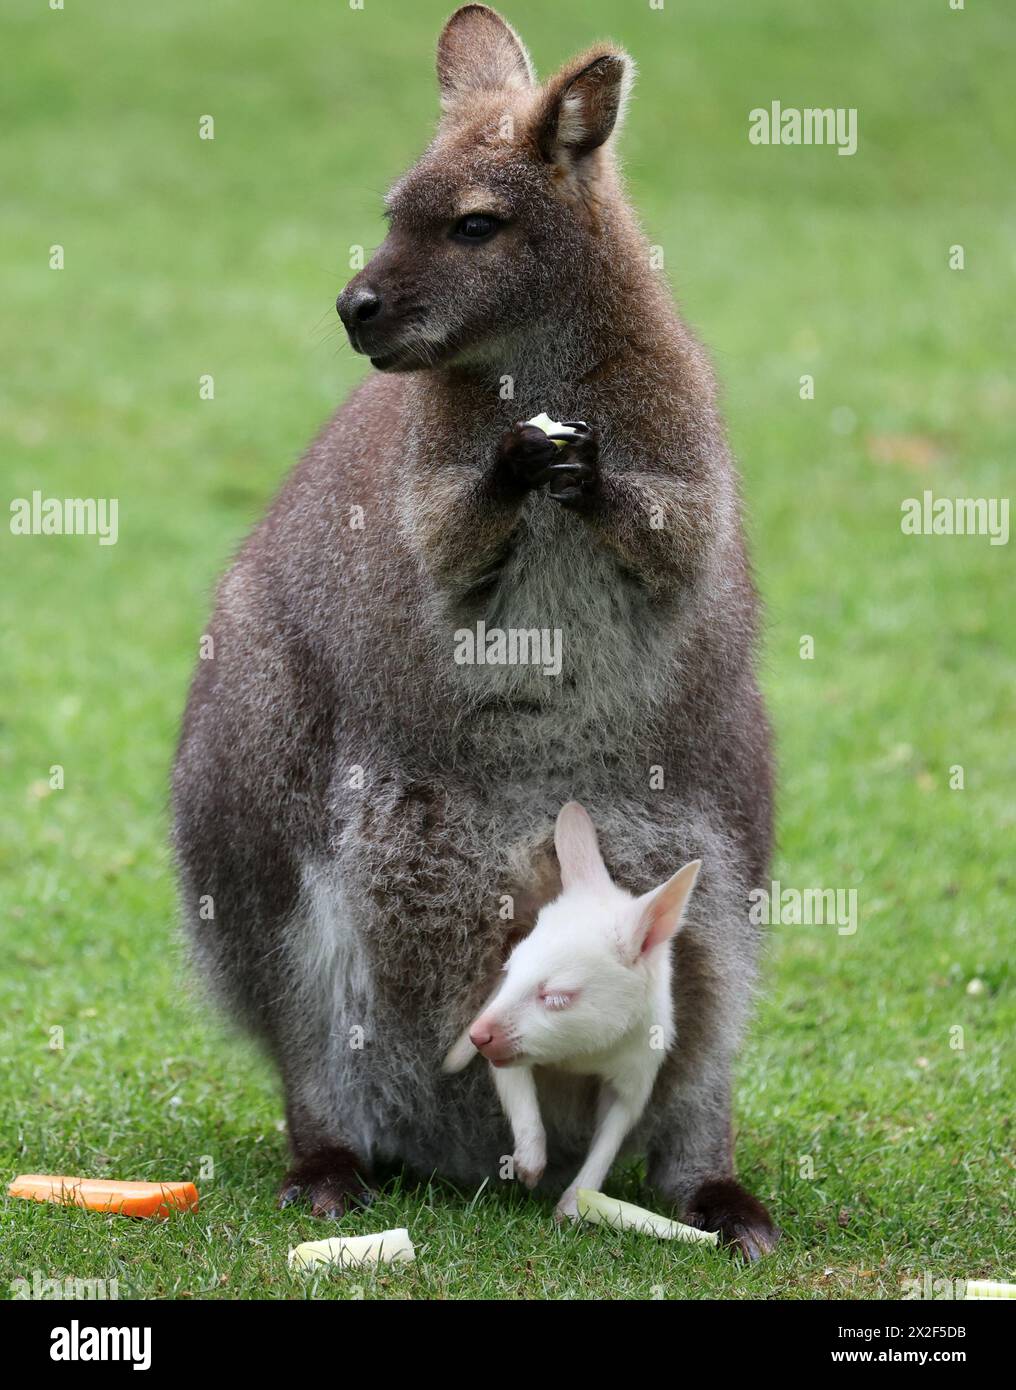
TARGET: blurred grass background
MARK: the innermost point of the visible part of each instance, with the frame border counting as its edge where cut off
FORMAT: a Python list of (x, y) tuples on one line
[(185, 257)]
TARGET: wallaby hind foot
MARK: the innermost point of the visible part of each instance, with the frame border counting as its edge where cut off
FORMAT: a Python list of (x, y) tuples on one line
[(741, 1220), (331, 1178)]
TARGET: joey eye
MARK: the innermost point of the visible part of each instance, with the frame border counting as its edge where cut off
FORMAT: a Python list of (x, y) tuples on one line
[(556, 999), (476, 226)]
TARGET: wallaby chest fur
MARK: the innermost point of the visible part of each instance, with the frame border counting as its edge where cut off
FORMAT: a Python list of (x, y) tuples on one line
[(371, 819)]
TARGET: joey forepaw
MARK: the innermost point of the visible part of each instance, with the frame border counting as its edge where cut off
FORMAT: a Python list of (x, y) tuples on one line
[(529, 1161)]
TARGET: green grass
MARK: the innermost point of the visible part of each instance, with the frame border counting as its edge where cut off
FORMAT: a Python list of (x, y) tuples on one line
[(186, 257)]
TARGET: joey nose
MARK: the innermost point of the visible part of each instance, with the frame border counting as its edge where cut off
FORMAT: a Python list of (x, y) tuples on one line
[(358, 304), (490, 1038)]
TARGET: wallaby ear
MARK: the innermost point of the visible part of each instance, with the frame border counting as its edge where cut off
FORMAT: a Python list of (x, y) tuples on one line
[(578, 851), (477, 50), (661, 910), (583, 104)]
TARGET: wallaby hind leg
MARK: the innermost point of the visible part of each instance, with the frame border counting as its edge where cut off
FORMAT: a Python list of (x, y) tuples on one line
[(327, 1173), (616, 1116), (691, 1165), (690, 1150)]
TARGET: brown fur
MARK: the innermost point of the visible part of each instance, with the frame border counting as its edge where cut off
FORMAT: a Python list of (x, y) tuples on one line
[(377, 906)]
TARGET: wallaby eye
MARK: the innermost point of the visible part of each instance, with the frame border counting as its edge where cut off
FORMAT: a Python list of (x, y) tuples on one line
[(556, 998), (476, 226)]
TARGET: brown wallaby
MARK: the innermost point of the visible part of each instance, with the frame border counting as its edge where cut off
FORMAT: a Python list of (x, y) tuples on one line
[(372, 759)]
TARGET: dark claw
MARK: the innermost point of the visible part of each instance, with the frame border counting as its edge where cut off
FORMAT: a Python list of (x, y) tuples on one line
[(328, 1211), (573, 482), (569, 496), (749, 1246), (576, 468)]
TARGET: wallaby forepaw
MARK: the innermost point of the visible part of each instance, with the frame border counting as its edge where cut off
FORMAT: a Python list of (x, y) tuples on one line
[(574, 478), (569, 468), (523, 457)]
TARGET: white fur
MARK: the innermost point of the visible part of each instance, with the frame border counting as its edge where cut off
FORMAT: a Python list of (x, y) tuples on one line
[(588, 991)]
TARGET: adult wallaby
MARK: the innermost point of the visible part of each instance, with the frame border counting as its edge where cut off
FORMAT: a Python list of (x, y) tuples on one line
[(364, 816)]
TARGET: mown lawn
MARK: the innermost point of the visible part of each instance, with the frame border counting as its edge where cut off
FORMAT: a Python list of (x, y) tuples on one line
[(883, 1147)]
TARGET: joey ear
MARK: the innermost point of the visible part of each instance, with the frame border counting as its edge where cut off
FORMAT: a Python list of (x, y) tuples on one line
[(660, 911), (583, 104), (578, 851), (477, 50)]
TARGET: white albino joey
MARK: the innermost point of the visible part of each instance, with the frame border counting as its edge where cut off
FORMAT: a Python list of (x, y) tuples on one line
[(588, 991)]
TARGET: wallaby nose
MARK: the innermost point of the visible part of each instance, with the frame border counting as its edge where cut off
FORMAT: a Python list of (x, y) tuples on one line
[(357, 304), (491, 1040)]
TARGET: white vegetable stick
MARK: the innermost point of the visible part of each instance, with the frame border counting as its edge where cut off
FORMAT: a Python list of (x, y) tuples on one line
[(348, 1252), (987, 1288), (624, 1216), (549, 426)]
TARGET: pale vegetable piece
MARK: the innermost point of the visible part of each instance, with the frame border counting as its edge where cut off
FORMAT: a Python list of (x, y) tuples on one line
[(549, 426), (625, 1216), (987, 1288), (352, 1252)]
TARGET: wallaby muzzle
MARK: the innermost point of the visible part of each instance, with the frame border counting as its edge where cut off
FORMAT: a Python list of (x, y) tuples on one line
[(381, 315)]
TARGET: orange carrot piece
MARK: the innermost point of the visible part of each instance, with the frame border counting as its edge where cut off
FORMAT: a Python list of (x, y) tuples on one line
[(154, 1199)]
